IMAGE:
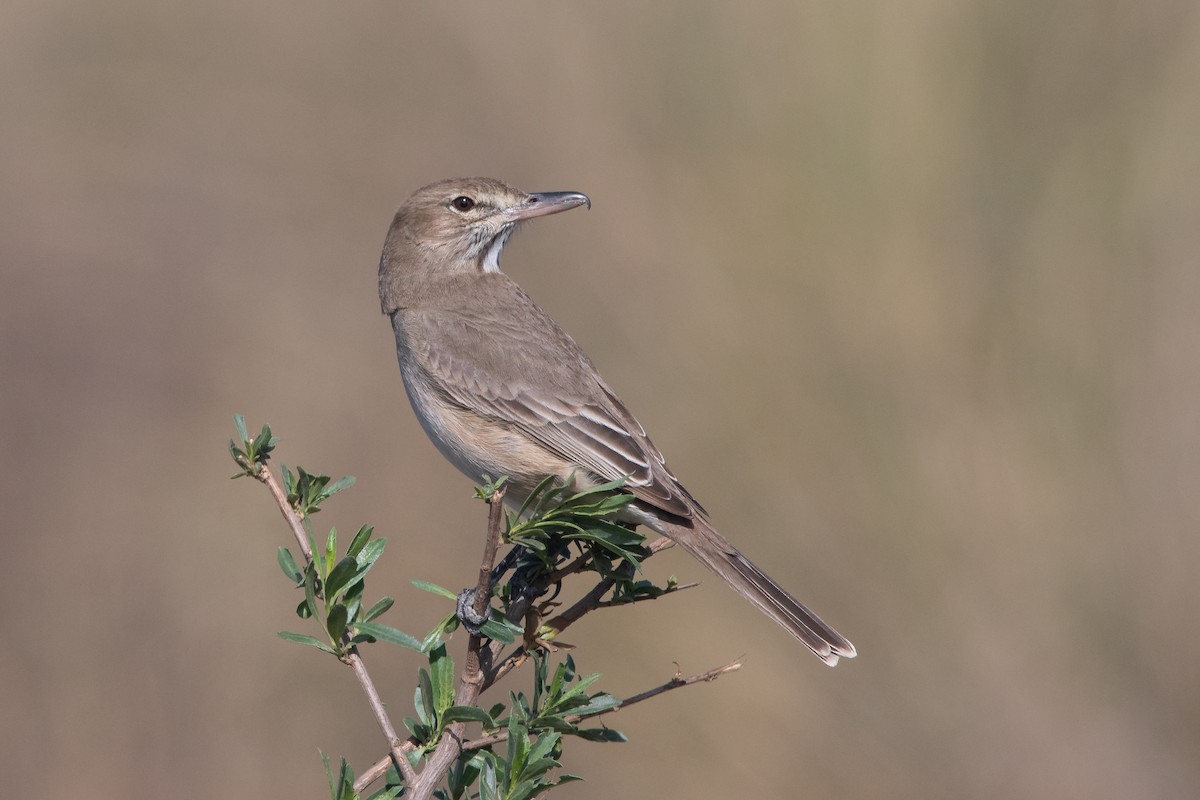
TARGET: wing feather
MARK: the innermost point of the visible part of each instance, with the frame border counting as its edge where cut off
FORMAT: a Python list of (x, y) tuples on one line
[(538, 380)]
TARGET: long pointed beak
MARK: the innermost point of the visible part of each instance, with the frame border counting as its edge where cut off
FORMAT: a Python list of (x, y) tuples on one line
[(539, 204)]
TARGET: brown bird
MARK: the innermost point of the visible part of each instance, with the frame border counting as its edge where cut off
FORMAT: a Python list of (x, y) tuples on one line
[(502, 390)]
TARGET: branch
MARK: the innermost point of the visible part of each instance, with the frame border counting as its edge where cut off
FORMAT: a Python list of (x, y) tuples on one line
[(471, 683), (677, 682), (353, 659)]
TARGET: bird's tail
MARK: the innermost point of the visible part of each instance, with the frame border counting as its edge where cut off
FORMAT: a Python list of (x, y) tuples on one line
[(712, 550)]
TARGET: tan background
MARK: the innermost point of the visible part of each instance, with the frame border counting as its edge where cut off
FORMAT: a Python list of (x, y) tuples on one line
[(907, 292)]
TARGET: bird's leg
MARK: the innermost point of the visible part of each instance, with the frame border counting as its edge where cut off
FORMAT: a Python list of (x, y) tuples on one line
[(505, 564), (471, 609)]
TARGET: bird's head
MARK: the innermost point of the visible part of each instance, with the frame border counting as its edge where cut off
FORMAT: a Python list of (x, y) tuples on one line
[(458, 225)]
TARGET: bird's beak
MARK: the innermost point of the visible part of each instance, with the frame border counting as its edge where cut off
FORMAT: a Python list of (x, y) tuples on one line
[(539, 204)]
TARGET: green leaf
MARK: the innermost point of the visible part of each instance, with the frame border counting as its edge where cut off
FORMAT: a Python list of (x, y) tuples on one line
[(370, 553), (239, 422), (360, 540), (433, 588), (601, 735), (558, 724), (423, 698), (288, 565), (488, 780), (339, 486), (540, 667), (463, 773), (311, 641), (611, 537), (250, 453), (333, 784), (431, 640), (386, 633), (499, 629), (467, 714), (352, 599), (573, 696), (518, 744), (335, 623), (330, 553), (345, 783), (419, 730), (556, 685), (583, 683), (523, 790), (545, 743), (489, 487), (563, 722), (535, 768), (377, 609), (536, 495), (340, 576), (441, 674), (598, 705), (310, 591), (390, 793), (347, 577), (602, 489)]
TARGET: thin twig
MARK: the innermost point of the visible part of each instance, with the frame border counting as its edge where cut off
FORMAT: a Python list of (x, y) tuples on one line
[(592, 600), (679, 587), (372, 774), (352, 658), (677, 682), (267, 478), (483, 589), (583, 605)]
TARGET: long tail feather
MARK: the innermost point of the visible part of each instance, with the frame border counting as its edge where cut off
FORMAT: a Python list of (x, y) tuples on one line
[(712, 550)]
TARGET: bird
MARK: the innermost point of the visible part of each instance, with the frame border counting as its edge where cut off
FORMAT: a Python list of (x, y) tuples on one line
[(502, 390)]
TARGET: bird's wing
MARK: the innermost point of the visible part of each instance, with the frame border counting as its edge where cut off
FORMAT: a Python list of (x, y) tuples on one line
[(517, 367)]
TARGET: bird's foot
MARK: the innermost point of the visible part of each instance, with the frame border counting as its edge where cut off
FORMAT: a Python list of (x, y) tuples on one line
[(465, 611)]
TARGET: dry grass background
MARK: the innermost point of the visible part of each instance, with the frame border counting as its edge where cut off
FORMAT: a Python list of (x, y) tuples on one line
[(907, 292)]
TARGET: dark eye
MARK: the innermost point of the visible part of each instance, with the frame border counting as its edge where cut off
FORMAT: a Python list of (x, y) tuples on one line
[(463, 203)]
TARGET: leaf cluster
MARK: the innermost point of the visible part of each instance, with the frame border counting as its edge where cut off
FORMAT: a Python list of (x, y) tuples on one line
[(306, 492), (555, 513), (534, 728), (250, 453), (333, 595)]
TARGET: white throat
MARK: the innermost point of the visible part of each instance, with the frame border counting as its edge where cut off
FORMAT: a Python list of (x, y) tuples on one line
[(491, 260)]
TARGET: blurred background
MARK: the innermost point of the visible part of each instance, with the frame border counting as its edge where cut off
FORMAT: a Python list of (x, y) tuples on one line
[(906, 292)]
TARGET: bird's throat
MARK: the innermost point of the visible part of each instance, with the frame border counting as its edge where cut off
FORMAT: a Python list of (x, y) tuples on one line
[(491, 258)]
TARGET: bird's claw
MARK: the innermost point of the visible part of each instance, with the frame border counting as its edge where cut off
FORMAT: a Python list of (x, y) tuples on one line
[(465, 611)]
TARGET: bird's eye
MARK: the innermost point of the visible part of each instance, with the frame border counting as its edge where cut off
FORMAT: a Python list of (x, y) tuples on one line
[(463, 203)]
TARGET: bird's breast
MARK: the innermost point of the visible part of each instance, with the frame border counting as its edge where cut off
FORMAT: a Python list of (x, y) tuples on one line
[(475, 443)]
